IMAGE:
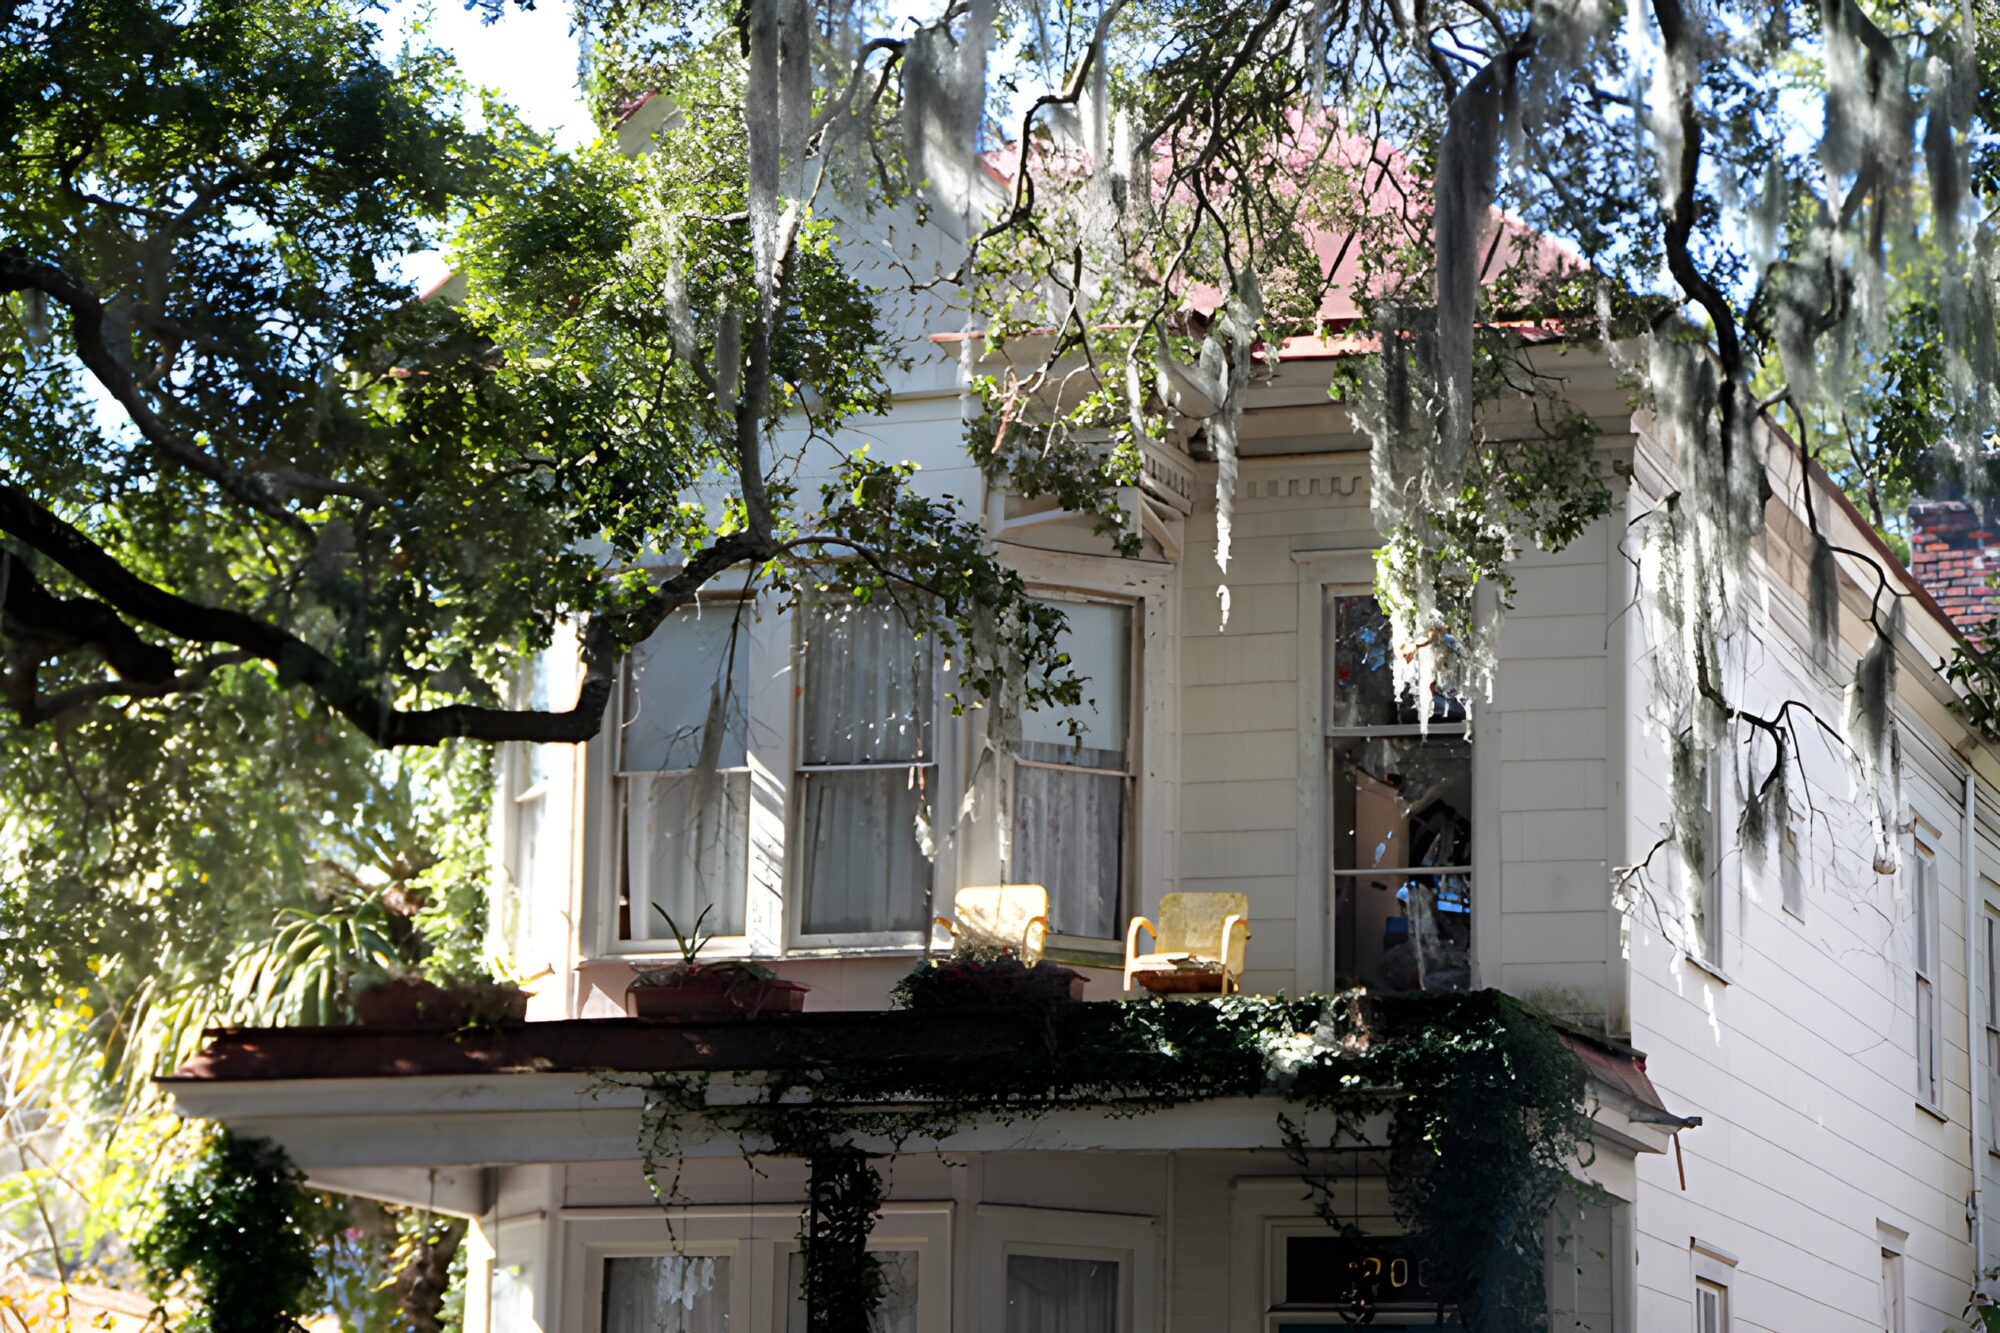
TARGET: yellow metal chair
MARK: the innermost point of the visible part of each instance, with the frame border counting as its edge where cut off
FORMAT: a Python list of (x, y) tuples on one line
[(1014, 917), (1197, 947)]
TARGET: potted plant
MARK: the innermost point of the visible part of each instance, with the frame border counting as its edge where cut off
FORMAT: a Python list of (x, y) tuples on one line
[(693, 989), (983, 977), (413, 1002)]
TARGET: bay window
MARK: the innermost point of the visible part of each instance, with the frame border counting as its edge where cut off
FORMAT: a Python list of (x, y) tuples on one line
[(866, 771), (1072, 776), (1402, 815), (683, 776)]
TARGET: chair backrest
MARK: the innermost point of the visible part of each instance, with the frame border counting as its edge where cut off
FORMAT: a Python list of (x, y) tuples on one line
[(997, 915), (1192, 923)]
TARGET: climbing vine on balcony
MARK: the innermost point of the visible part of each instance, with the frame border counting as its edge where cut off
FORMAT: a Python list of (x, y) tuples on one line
[(1476, 1100)]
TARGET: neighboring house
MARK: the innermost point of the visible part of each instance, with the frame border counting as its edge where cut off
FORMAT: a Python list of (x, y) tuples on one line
[(1802, 1145)]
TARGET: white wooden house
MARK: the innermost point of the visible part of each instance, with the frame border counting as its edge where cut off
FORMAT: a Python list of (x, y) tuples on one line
[(1833, 1029)]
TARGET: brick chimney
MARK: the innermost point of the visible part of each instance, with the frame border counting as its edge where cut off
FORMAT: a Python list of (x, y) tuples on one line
[(1954, 553)]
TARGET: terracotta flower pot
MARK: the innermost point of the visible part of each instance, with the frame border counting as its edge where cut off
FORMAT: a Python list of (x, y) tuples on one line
[(413, 1003), (705, 995)]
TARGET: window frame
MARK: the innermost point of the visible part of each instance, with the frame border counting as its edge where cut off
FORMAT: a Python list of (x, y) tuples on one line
[(1927, 1038), (531, 777), (1989, 917), (613, 821), (1709, 946), (1794, 867), (758, 1239), (797, 940), (1134, 604), (1002, 1230), (1895, 1292), (1331, 737), (1712, 1269)]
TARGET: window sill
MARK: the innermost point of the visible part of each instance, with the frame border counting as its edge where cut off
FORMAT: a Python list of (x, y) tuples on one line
[(1934, 1112), (1708, 969), (659, 957)]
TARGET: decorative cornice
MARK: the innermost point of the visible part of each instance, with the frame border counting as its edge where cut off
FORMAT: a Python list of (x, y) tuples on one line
[(1314, 480), (1168, 476)]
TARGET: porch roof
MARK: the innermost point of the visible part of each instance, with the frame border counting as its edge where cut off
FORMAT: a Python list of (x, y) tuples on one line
[(351, 1098)]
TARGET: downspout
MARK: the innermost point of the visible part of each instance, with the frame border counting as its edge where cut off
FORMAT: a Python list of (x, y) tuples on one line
[(1971, 877)]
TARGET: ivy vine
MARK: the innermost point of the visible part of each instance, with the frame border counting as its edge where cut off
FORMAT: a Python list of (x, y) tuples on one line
[(232, 1237), (1483, 1100)]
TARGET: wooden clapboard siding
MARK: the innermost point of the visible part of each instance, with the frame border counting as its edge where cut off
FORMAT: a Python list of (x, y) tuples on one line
[(1803, 1062)]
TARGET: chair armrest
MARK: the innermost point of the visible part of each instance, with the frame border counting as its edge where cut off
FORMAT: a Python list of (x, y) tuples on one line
[(1028, 933), (1139, 923), (950, 926), (1229, 927)]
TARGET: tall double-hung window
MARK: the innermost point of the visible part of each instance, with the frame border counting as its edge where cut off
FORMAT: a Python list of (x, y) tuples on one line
[(1401, 781), (866, 772), (1990, 924), (1924, 919), (684, 775), (1072, 779)]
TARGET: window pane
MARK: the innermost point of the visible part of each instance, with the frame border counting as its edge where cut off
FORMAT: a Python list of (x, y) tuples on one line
[(686, 848), (1580, 1266), (1360, 679), (864, 869), (1791, 871), (867, 686), (1046, 1295), (1357, 1273), (1099, 643), (1068, 836), (669, 1293), (1924, 910), (671, 683), (1992, 976), (1708, 1308), (1927, 1080), (1402, 804), (897, 1312), (1993, 1087)]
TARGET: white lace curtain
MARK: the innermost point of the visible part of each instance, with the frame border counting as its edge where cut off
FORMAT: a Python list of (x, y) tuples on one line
[(1050, 1295), (1068, 827), (866, 770), (686, 830), (668, 1293)]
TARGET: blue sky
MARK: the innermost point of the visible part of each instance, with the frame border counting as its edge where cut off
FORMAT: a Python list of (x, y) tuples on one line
[(528, 56)]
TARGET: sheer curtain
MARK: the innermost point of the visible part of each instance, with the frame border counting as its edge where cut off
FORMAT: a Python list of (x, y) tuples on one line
[(529, 847), (865, 769), (896, 1314), (669, 1293), (1048, 1295), (1068, 827), (686, 822)]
